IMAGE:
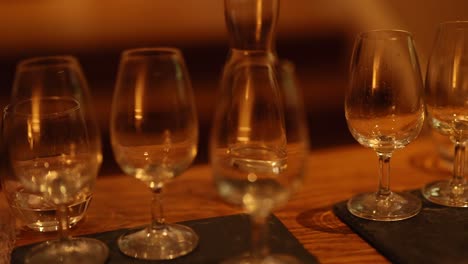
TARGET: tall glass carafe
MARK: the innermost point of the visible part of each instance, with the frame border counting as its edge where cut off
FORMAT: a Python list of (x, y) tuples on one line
[(251, 26), (259, 142)]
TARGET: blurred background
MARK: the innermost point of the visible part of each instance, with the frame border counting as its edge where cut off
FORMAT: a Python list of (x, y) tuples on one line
[(317, 35)]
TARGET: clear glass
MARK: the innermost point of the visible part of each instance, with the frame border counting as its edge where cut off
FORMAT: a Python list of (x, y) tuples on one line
[(385, 111), (251, 24), (446, 97), (259, 139), (154, 134), (47, 77), (51, 153), (258, 146)]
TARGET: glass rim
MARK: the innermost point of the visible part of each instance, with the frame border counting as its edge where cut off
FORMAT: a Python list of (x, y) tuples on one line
[(396, 32), (10, 108), (454, 23), (151, 52), (46, 61)]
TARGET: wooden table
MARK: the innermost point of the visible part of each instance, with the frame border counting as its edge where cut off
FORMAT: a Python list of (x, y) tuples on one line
[(333, 175)]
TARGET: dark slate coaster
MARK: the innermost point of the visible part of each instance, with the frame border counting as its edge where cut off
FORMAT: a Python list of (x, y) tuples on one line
[(438, 234), (220, 238)]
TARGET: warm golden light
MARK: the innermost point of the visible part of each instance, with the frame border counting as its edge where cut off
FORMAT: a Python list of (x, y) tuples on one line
[(258, 29), (139, 93), (245, 113), (456, 62), (375, 69), (34, 122)]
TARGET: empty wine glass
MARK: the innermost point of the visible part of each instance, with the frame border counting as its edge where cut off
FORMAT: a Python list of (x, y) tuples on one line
[(61, 76), (447, 107), (259, 144), (384, 111), (52, 154), (154, 134), (50, 76)]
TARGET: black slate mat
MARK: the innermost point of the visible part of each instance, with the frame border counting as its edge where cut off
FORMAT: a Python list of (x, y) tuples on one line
[(220, 238), (438, 234)]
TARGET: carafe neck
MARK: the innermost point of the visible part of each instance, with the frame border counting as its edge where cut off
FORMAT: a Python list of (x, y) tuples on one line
[(251, 23)]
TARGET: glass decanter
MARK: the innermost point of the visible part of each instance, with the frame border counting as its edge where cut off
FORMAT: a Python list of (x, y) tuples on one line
[(259, 141), (251, 26)]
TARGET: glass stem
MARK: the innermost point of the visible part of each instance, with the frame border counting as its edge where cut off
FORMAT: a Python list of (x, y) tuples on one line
[(259, 236), (63, 221), (458, 179), (384, 177), (157, 211)]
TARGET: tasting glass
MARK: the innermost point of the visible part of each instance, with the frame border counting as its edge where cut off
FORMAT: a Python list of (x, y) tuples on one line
[(384, 111), (154, 134), (54, 157), (50, 76), (446, 98), (258, 145)]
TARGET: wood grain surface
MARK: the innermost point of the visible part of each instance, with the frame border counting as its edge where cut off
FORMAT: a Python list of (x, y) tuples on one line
[(332, 175)]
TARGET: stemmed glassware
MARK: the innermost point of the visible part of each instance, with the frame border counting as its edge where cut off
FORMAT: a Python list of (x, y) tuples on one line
[(50, 76), (258, 145), (259, 139), (446, 99), (154, 134), (50, 152), (384, 111), (54, 149), (61, 76)]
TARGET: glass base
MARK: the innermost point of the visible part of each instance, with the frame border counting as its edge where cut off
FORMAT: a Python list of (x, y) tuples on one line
[(272, 259), (441, 192), (397, 206), (169, 242), (70, 251)]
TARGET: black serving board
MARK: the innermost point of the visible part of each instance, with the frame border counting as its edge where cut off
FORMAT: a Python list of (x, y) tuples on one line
[(438, 234), (220, 238)]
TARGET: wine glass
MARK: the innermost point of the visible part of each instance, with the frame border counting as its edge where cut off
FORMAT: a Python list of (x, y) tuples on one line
[(446, 99), (50, 76), (51, 153), (259, 144), (62, 76), (385, 111), (154, 134)]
